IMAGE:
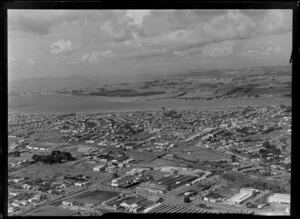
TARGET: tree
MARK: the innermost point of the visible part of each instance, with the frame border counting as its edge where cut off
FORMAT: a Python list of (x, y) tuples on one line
[(59, 159), (67, 155), (282, 106), (233, 158), (187, 199), (115, 175), (266, 144), (55, 153), (16, 153), (35, 157), (277, 151)]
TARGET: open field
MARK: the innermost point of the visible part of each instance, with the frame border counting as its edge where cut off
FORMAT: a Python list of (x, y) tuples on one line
[(49, 171), (141, 156), (96, 196), (163, 162), (40, 170), (201, 155), (50, 210)]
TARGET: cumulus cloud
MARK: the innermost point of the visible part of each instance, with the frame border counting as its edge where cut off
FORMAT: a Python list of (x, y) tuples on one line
[(96, 56), (264, 48), (126, 25), (116, 33), (38, 21), (137, 16), (19, 61), (232, 25), (266, 51), (273, 50), (226, 26), (276, 21), (146, 53), (224, 48), (219, 49), (138, 34), (61, 46)]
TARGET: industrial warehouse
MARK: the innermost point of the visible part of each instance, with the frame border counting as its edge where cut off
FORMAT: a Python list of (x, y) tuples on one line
[(243, 196)]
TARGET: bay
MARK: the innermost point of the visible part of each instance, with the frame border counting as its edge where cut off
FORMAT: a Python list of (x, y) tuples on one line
[(94, 104)]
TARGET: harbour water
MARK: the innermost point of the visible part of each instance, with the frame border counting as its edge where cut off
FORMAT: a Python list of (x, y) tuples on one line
[(93, 104)]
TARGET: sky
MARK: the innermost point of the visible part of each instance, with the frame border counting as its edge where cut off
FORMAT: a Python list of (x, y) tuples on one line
[(54, 43)]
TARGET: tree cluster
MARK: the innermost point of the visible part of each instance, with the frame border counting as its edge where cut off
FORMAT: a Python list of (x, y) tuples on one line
[(14, 153), (269, 148), (56, 156), (213, 195), (261, 185)]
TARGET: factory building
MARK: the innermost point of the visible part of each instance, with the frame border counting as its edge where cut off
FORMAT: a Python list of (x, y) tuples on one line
[(39, 148), (152, 187), (280, 198), (175, 181), (243, 196)]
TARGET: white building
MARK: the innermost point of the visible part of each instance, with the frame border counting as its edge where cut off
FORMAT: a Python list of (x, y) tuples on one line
[(81, 183), (240, 198), (99, 168), (280, 198)]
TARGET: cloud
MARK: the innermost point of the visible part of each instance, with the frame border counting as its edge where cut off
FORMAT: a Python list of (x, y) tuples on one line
[(276, 21), (137, 16), (224, 48), (34, 26), (251, 53), (34, 21), (126, 25), (218, 49), (61, 46), (229, 25), (41, 22), (167, 36), (232, 25), (269, 48), (268, 51), (273, 50), (147, 53), (226, 26), (19, 61), (115, 32), (96, 56)]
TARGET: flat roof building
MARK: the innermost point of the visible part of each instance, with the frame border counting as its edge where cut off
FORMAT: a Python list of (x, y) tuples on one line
[(152, 187), (280, 198), (240, 198)]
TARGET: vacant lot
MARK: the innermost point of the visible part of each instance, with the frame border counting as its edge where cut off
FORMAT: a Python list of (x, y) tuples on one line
[(201, 155), (51, 211), (162, 162), (40, 170), (96, 196), (143, 156)]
